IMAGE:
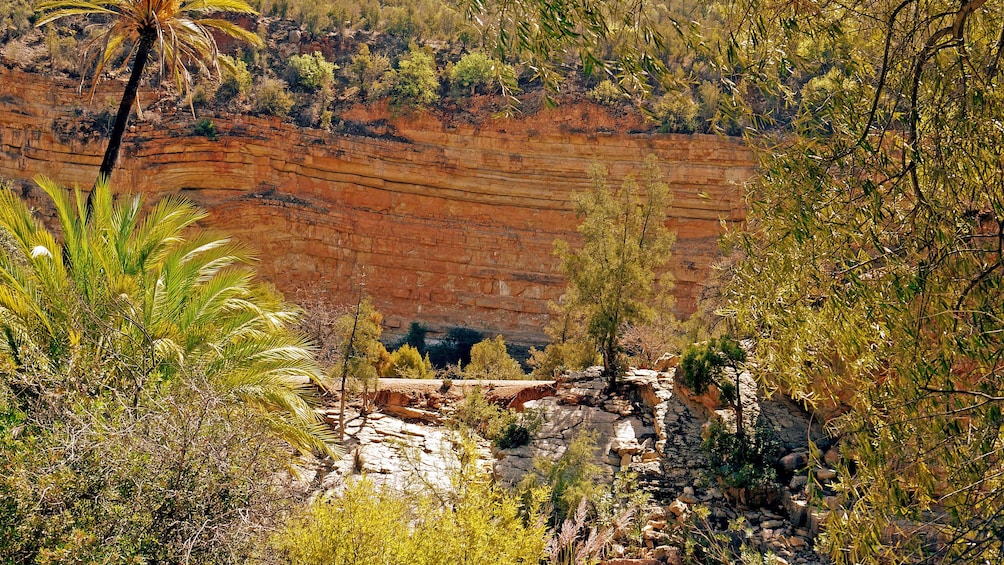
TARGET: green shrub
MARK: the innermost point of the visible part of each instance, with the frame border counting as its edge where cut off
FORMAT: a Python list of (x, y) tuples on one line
[(236, 81), (414, 81), (491, 361), (702, 364), (503, 427), (476, 72), (406, 362), (272, 98), (607, 93), (311, 72), (476, 523), (556, 358), (455, 347), (570, 348), (206, 128), (513, 435), (570, 479), (676, 112), (63, 50), (139, 483), (742, 461), (15, 17), (366, 70), (362, 357)]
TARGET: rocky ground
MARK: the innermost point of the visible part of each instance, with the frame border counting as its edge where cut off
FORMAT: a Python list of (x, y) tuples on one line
[(646, 424)]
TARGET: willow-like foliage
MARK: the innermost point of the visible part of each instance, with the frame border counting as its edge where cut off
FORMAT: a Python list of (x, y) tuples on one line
[(872, 268), (623, 39)]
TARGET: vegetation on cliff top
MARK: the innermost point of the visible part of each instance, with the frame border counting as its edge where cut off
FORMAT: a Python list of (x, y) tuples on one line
[(177, 34), (367, 42)]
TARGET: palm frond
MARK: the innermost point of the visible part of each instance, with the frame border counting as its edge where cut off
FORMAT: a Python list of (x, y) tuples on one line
[(149, 293), (233, 30), (66, 8)]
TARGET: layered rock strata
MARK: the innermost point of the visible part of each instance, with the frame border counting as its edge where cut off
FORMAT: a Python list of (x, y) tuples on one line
[(441, 221)]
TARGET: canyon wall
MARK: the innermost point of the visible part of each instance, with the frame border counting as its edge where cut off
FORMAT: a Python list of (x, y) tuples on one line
[(445, 221)]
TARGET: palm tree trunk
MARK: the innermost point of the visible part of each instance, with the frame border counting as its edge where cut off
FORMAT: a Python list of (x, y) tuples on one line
[(125, 107)]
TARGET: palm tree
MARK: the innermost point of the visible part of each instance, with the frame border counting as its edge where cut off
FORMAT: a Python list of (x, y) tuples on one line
[(179, 30), (128, 301)]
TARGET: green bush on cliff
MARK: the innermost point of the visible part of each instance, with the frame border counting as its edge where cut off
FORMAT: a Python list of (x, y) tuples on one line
[(475, 72), (676, 112), (15, 17), (366, 71), (414, 81), (272, 98), (311, 71), (607, 93), (237, 81)]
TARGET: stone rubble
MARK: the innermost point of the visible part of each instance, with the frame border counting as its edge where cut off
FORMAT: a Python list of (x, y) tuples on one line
[(644, 424)]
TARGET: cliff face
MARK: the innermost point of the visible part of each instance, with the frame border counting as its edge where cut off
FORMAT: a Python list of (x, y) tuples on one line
[(446, 223)]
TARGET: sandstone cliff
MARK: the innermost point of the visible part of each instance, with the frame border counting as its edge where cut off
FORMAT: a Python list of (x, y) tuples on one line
[(446, 222)]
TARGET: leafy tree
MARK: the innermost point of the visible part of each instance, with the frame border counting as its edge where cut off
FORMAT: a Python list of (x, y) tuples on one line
[(704, 364), (180, 31), (476, 71), (312, 71), (366, 70), (414, 81), (364, 358), (490, 360), (871, 274), (611, 277), (406, 362)]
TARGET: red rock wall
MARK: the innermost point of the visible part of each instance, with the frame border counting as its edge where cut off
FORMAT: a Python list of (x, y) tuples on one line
[(446, 223)]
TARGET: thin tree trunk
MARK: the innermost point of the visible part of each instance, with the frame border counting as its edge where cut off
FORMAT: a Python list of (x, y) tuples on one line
[(125, 107), (348, 353), (740, 427)]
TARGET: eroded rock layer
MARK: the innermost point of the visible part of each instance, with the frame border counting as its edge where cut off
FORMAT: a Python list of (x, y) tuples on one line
[(444, 222)]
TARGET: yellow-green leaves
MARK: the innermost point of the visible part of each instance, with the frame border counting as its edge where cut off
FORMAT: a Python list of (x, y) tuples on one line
[(611, 278)]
